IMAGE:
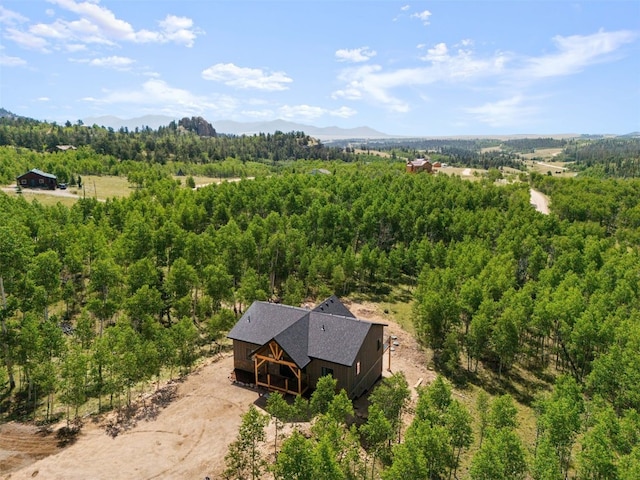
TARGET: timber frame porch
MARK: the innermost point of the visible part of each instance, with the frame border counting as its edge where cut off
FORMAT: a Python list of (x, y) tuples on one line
[(273, 354)]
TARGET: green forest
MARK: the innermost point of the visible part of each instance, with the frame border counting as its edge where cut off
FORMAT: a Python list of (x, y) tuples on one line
[(105, 297)]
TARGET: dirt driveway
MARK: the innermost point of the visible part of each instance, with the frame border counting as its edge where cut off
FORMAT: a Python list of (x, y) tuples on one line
[(188, 438)]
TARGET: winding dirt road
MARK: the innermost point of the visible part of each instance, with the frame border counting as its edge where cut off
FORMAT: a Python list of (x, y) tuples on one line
[(540, 201)]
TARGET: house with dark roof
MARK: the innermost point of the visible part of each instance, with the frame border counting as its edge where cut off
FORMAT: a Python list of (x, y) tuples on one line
[(37, 179), (287, 349)]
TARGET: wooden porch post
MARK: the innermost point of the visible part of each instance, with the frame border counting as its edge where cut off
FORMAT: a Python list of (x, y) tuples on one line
[(255, 368)]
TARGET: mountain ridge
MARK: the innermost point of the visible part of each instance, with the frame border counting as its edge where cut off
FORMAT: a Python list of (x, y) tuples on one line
[(231, 127)]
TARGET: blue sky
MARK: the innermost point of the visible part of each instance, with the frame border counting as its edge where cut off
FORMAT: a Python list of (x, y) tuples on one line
[(404, 68)]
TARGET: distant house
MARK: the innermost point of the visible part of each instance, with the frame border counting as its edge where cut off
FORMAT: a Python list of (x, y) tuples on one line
[(287, 349), (37, 179), (419, 165)]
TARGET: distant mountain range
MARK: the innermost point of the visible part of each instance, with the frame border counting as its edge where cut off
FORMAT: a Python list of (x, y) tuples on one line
[(241, 128), (323, 133)]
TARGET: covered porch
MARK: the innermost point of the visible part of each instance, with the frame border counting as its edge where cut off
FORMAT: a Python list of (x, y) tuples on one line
[(274, 370)]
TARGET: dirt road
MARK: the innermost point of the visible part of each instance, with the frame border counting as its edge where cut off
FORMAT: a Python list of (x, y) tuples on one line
[(540, 201)]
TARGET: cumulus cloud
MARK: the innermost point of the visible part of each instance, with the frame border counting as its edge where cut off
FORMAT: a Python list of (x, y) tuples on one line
[(423, 16), (355, 55), (247, 78), (439, 53), (96, 24), (115, 62)]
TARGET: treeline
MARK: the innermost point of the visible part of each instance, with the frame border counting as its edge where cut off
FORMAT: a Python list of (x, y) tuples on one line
[(166, 144), (477, 153), (605, 158), (68, 165), (524, 145)]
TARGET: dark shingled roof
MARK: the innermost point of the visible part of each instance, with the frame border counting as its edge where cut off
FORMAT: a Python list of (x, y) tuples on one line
[(264, 321), (336, 339), (334, 306), (295, 341), (302, 333)]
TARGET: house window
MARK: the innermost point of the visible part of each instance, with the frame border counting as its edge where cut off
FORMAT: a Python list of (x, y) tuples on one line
[(358, 368), (23, 181), (326, 371), (379, 344), (249, 351), (41, 181)]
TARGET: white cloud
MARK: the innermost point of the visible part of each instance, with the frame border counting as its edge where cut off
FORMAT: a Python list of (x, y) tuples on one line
[(245, 78), (372, 83), (116, 62), (43, 99), (9, 61), (9, 17), (156, 95), (576, 52), (179, 30), (423, 16), (98, 25), (439, 53), (503, 113), (355, 55), (404, 8), (26, 40)]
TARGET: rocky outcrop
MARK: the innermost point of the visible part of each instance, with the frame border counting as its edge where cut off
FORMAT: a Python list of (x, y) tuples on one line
[(198, 125)]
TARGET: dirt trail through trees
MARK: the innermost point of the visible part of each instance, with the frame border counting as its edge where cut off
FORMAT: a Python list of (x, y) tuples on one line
[(540, 201)]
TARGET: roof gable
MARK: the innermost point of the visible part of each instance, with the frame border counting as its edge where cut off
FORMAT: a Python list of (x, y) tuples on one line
[(334, 306), (295, 341), (263, 321), (335, 338)]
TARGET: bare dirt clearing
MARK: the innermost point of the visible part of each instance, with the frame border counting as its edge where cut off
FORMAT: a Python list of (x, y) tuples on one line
[(188, 438)]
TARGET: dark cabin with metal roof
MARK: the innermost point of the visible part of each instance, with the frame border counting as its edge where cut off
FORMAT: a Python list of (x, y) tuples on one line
[(37, 179), (288, 349)]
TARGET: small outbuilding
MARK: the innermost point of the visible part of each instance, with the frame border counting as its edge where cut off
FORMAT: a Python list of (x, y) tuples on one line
[(287, 349), (37, 179)]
